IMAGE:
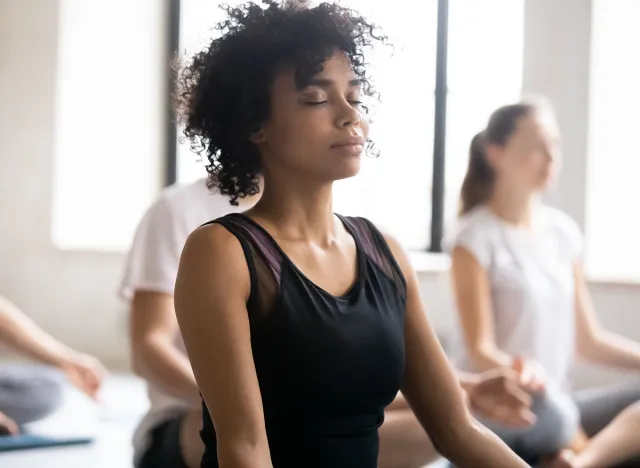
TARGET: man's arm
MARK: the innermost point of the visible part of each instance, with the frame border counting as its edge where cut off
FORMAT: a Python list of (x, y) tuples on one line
[(154, 354)]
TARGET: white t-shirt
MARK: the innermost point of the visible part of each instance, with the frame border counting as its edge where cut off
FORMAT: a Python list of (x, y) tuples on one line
[(532, 284), (152, 265)]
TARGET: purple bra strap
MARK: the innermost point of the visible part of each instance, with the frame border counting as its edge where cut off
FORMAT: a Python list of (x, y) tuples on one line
[(262, 242)]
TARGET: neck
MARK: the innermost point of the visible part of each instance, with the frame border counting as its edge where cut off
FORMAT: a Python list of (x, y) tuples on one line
[(300, 209), (512, 205)]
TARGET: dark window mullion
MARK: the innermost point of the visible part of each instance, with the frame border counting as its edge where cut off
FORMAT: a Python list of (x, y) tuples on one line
[(171, 137), (438, 185), (439, 135)]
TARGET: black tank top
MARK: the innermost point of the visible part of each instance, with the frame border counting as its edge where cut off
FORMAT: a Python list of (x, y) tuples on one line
[(327, 366)]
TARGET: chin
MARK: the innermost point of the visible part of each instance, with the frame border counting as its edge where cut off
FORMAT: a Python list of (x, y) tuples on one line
[(332, 169), (546, 184), (345, 171)]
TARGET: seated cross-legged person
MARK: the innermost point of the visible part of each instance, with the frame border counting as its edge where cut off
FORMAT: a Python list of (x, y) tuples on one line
[(29, 393), (169, 434), (522, 295)]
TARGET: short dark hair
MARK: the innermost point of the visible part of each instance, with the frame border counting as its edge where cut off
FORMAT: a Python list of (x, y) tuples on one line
[(223, 92)]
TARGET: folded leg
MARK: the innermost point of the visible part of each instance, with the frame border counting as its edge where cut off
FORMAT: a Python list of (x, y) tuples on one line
[(29, 393), (611, 416)]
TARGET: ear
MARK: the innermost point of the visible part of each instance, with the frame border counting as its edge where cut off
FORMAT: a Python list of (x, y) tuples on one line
[(494, 154), (257, 137)]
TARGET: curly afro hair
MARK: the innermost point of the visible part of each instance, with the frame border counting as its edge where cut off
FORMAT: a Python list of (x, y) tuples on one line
[(223, 92)]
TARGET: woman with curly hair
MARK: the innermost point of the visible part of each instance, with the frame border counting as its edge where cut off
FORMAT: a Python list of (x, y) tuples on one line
[(301, 325)]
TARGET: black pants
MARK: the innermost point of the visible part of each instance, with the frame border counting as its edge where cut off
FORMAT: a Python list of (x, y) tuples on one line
[(164, 451)]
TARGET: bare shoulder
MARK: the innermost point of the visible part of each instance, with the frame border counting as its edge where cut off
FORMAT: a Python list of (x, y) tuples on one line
[(214, 241), (212, 238), (213, 258)]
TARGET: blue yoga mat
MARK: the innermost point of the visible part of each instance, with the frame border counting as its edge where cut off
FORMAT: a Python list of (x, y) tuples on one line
[(33, 441)]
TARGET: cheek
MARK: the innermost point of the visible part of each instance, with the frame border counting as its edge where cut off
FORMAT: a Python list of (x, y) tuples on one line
[(289, 129), (533, 162), (522, 167), (300, 135), (307, 132)]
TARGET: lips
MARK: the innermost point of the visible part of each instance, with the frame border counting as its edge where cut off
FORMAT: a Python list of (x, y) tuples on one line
[(351, 141)]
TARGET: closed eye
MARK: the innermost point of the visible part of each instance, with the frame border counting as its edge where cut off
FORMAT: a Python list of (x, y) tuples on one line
[(321, 103), (315, 103)]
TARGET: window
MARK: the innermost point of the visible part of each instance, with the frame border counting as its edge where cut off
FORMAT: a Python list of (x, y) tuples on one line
[(485, 42), (196, 20), (486, 54), (108, 121), (612, 227)]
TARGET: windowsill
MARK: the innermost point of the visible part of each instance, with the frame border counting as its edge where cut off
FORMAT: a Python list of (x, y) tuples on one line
[(423, 262), (604, 280), (114, 251), (427, 262)]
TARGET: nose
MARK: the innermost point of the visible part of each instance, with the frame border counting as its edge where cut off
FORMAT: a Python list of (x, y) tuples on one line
[(553, 151), (347, 115), (553, 155)]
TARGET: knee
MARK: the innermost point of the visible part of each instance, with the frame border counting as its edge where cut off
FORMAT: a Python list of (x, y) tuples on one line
[(47, 393), (403, 442), (557, 422), (31, 395), (633, 413)]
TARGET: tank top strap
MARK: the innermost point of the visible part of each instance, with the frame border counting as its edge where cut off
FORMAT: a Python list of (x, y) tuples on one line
[(259, 242), (376, 248), (264, 260)]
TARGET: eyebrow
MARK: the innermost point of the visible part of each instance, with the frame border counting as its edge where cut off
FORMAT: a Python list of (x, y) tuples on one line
[(326, 83)]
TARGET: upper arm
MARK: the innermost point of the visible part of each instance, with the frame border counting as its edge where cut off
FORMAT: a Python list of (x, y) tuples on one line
[(571, 243), (431, 386), (588, 326), (472, 293), (212, 289), (152, 262), (152, 317), (150, 275)]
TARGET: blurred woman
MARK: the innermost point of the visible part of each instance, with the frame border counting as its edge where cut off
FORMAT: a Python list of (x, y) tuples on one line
[(521, 292)]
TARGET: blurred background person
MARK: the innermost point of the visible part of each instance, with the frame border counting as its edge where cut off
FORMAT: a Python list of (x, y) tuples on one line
[(519, 285)]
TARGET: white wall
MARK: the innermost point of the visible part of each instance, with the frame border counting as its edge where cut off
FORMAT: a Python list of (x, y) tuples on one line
[(556, 65), (69, 294), (73, 294)]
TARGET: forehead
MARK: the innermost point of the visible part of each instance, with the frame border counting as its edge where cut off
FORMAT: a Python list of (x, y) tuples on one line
[(338, 67), (539, 124), (337, 70)]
